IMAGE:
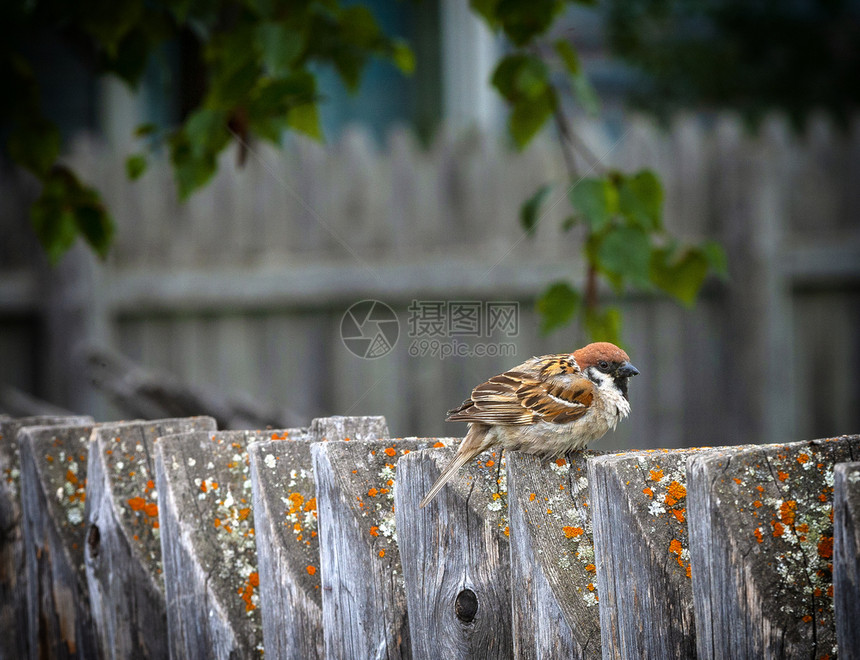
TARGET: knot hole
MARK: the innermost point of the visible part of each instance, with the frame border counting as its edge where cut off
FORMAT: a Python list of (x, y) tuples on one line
[(466, 605)]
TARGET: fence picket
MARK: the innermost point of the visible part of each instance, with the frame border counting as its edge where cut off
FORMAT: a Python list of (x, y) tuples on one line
[(123, 552), (455, 556), (13, 590), (553, 571), (761, 540), (846, 557)]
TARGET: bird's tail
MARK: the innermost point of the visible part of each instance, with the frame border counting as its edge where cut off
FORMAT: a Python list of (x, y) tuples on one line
[(472, 445)]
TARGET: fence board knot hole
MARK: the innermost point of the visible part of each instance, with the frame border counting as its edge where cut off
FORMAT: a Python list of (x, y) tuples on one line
[(466, 605)]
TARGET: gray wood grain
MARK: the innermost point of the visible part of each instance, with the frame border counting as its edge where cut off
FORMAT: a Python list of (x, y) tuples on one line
[(641, 547), (456, 557), (123, 550), (846, 557), (363, 599), (761, 532), (13, 592), (285, 511), (207, 542), (53, 492), (553, 570)]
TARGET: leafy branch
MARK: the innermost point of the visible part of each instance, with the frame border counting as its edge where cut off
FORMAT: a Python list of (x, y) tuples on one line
[(620, 214), (257, 61)]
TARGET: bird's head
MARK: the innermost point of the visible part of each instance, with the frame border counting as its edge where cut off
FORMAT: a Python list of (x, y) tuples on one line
[(603, 362)]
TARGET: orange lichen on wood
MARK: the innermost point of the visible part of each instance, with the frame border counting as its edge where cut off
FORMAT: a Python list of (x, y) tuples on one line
[(676, 490), (137, 503), (656, 475), (437, 445), (679, 514), (382, 553), (782, 475), (374, 531), (390, 451), (675, 547), (151, 510), (311, 570), (591, 568), (778, 528), (561, 462), (573, 532), (803, 458), (825, 547), (373, 492), (786, 512), (648, 492)]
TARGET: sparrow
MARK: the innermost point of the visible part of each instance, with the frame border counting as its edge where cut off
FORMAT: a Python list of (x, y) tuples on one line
[(547, 406)]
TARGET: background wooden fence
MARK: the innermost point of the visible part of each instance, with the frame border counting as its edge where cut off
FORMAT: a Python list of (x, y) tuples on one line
[(242, 290), (148, 537)]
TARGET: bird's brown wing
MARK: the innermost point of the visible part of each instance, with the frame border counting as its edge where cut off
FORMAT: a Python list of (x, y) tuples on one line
[(532, 392)]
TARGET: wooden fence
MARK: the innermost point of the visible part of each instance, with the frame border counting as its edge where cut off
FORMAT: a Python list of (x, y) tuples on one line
[(149, 538), (245, 286)]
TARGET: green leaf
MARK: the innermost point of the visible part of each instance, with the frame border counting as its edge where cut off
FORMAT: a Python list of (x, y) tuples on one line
[(626, 252), (487, 10), (528, 117), (144, 130), (531, 207), (403, 57), (359, 27), (681, 276), (716, 257), (557, 306), (604, 325), (569, 223), (135, 166), (35, 145), (279, 47), (521, 76), (96, 226), (640, 199), (595, 200), (305, 119), (54, 226), (67, 208), (568, 56), (523, 20), (206, 131)]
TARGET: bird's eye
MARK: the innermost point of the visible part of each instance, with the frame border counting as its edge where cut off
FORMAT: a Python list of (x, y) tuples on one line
[(603, 365)]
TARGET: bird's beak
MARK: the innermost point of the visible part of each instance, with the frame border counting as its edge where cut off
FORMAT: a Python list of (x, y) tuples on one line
[(626, 370)]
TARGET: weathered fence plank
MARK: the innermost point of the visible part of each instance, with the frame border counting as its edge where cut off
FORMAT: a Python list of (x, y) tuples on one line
[(285, 513), (207, 543), (13, 594), (363, 599), (846, 557), (123, 551), (642, 554), (553, 571), (53, 493), (455, 555), (761, 532)]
